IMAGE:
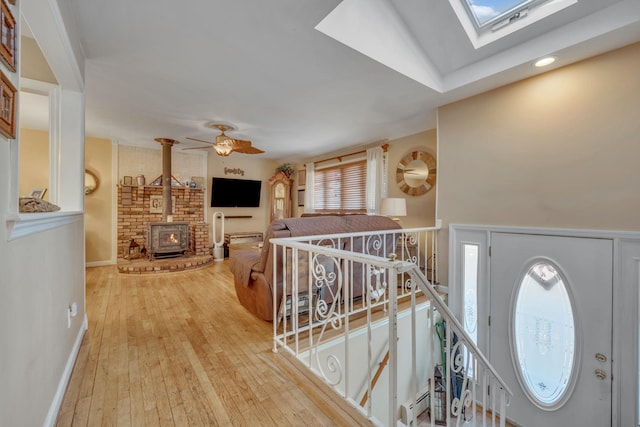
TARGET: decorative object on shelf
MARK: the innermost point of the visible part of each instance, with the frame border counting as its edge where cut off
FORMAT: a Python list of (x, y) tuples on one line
[(416, 173), (394, 207), (226, 145), (32, 204), (286, 169), (127, 180), (218, 238), (175, 182), (140, 179), (198, 180), (38, 193), (91, 182), (280, 196), (8, 39), (8, 94)]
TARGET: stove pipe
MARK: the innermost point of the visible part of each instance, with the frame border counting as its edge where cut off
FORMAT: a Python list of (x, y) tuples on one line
[(166, 143)]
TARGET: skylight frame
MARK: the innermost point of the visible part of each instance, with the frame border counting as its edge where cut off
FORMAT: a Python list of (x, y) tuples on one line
[(506, 23), (504, 16)]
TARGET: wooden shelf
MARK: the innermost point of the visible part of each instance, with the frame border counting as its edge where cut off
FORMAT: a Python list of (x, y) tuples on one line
[(238, 216)]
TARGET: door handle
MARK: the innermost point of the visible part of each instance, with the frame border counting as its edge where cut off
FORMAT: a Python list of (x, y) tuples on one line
[(601, 357), (600, 374)]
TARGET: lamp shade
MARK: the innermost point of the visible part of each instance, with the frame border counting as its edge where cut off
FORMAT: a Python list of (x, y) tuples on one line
[(394, 207)]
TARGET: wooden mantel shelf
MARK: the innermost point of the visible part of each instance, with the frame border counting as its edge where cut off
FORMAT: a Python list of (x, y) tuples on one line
[(182, 187)]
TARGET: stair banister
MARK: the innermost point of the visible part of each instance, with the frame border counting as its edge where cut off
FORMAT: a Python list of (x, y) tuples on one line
[(426, 288)]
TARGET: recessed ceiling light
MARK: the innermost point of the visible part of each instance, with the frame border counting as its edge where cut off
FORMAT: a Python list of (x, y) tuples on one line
[(543, 62)]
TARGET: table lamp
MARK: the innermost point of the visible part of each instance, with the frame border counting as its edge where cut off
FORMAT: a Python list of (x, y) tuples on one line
[(394, 207)]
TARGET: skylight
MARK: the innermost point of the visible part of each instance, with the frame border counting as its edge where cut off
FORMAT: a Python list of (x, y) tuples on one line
[(487, 12), (486, 21)]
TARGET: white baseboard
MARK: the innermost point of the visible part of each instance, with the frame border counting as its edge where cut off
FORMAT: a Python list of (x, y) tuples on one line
[(100, 263), (52, 415)]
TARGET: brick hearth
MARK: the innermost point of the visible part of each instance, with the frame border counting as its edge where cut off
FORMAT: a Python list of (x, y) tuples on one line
[(144, 266), (134, 216)]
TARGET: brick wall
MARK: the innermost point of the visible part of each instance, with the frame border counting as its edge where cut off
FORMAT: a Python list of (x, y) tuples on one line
[(134, 216)]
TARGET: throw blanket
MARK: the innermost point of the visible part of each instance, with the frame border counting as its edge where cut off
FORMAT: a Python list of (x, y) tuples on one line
[(315, 226), (242, 263)]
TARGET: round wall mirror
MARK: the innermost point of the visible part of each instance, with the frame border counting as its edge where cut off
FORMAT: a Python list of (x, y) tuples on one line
[(90, 182), (416, 173)]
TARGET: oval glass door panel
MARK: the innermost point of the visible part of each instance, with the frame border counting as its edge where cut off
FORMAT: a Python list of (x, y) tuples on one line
[(544, 336)]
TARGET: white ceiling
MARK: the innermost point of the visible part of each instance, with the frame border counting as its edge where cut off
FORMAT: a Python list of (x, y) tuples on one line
[(167, 68)]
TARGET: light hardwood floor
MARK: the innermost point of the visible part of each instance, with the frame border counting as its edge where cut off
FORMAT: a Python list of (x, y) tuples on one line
[(178, 350)]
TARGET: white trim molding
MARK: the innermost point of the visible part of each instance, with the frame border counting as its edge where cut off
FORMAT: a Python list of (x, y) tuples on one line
[(100, 263), (22, 225), (52, 415)]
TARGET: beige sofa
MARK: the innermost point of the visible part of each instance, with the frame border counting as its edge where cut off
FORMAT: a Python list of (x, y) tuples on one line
[(253, 271)]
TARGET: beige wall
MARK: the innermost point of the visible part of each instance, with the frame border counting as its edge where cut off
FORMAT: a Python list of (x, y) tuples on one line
[(34, 161), (98, 205), (34, 173), (557, 150), (134, 161), (420, 209)]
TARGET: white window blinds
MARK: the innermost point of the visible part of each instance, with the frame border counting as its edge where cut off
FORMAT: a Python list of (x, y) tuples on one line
[(341, 188)]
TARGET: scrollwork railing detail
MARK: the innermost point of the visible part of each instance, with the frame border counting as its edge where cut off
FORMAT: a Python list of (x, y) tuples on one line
[(377, 286), (337, 337)]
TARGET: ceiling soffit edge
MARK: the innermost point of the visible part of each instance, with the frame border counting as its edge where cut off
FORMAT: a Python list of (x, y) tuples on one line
[(375, 29), (553, 42)]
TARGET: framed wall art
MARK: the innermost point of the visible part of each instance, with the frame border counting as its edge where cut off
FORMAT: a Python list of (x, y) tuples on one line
[(8, 37), (38, 193), (8, 95)]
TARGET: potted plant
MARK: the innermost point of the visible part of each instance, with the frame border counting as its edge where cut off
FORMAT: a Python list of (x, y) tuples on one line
[(286, 169)]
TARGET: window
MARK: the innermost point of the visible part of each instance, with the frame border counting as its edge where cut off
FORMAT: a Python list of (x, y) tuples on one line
[(487, 12), (470, 286), (470, 267), (486, 21), (544, 335), (341, 188)]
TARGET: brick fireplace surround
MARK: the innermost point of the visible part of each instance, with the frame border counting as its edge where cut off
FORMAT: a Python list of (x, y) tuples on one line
[(134, 217)]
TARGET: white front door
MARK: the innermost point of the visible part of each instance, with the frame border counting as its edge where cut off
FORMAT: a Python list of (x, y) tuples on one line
[(550, 327)]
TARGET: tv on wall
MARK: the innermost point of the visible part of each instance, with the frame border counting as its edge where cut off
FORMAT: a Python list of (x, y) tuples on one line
[(235, 193)]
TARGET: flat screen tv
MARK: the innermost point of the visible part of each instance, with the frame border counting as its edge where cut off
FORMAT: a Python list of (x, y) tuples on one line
[(235, 193)]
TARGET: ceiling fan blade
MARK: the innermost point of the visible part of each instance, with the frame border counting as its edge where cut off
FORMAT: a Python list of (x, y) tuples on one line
[(201, 140), (248, 150), (197, 148), (241, 142)]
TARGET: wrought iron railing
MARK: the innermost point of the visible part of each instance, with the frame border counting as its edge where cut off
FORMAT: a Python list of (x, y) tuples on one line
[(363, 312)]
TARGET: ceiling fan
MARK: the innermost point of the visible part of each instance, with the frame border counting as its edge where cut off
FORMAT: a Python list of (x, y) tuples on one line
[(226, 145)]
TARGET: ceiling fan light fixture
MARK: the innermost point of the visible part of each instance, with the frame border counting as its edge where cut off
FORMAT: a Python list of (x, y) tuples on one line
[(225, 145), (223, 149)]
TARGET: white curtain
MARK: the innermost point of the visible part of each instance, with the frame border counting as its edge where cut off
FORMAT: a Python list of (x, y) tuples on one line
[(309, 188), (376, 178)]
